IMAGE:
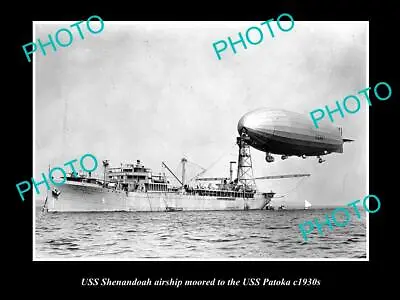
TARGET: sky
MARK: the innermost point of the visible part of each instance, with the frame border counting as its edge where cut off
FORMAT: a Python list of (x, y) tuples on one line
[(157, 92)]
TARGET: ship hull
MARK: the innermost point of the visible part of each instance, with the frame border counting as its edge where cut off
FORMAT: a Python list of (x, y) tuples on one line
[(83, 197)]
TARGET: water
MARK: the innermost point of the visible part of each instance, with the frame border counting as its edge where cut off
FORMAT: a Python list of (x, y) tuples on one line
[(194, 235)]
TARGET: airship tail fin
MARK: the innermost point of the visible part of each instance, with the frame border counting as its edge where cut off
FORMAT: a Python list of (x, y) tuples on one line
[(340, 148), (340, 130), (347, 140), (341, 134)]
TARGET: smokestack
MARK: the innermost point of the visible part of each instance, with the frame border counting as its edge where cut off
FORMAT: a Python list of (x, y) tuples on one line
[(184, 160), (231, 170)]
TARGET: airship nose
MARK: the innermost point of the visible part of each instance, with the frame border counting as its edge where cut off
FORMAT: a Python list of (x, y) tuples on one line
[(256, 121), (249, 122), (241, 125)]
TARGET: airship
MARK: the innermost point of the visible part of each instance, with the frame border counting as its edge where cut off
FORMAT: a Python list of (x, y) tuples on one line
[(286, 133)]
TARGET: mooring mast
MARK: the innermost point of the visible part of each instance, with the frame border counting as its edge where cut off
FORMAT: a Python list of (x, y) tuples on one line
[(245, 175)]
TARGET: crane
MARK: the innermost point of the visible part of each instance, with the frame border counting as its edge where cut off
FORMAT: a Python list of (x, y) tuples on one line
[(282, 176), (257, 178), (211, 178), (163, 163)]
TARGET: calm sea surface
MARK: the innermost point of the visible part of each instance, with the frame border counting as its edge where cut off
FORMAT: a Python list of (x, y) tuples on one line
[(194, 235)]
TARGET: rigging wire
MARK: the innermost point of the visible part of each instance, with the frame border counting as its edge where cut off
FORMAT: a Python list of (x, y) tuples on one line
[(193, 163), (290, 191), (296, 186), (213, 164)]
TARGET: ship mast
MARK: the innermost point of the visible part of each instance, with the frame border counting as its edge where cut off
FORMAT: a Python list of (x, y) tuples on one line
[(105, 165)]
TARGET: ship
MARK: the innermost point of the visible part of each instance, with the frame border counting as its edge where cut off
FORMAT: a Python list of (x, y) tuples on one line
[(132, 187), (282, 207)]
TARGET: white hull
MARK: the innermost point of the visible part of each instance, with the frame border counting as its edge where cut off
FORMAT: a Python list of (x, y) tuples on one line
[(85, 197)]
